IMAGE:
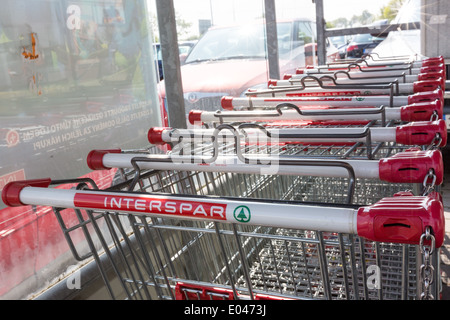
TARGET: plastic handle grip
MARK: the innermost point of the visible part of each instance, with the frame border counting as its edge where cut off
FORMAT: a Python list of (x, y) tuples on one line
[(427, 85), (155, 135), (402, 219), (434, 68), (195, 117), (422, 133), (227, 103), (438, 76), (422, 111), (428, 96), (95, 158), (11, 192), (432, 61), (412, 166)]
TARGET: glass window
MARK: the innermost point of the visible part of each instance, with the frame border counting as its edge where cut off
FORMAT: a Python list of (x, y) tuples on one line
[(284, 33), (74, 76), (306, 32), (228, 43)]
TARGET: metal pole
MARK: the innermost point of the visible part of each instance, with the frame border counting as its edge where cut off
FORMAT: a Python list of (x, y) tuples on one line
[(171, 63), (320, 24), (272, 39)]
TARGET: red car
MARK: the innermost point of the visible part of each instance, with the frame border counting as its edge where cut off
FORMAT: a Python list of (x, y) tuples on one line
[(229, 60)]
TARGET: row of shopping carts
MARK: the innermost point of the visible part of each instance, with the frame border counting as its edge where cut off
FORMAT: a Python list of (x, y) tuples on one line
[(325, 185)]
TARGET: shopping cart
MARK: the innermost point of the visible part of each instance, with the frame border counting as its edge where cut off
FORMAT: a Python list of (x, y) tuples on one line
[(250, 102), (327, 85), (366, 76), (411, 72), (427, 82), (172, 258), (222, 248), (290, 112), (374, 65), (198, 223), (413, 133), (324, 254)]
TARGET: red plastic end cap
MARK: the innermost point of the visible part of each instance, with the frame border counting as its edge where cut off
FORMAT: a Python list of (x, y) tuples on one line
[(439, 76), (227, 103), (421, 133), (412, 167), (195, 117), (287, 76), (11, 192), (426, 85), (433, 68), (402, 219), (272, 82), (428, 96), (432, 61), (421, 111), (441, 58), (95, 158), (154, 135), (299, 71)]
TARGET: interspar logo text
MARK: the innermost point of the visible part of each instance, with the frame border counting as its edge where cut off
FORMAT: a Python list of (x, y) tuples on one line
[(324, 94), (151, 205)]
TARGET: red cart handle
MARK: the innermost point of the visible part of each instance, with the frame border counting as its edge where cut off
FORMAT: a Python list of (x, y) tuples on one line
[(433, 61), (438, 76), (427, 85), (422, 133), (427, 96), (11, 192), (422, 111), (195, 116), (412, 167), (434, 68), (402, 219), (155, 135), (95, 158), (413, 133)]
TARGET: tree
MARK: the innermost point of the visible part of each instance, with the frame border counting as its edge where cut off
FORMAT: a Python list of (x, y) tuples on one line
[(182, 27), (391, 9), (340, 23)]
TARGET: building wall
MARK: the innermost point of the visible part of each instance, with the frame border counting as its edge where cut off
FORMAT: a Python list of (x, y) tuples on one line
[(435, 26)]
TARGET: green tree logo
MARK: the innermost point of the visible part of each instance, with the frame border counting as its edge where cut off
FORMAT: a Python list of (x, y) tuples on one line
[(242, 214)]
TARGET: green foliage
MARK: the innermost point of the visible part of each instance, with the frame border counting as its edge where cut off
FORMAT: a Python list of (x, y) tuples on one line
[(387, 12), (182, 28), (390, 10)]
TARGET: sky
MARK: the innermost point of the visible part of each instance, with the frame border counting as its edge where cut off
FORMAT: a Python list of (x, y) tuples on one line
[(231, 11)]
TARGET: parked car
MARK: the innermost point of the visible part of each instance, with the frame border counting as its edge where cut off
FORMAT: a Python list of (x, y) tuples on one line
[(341, 43), (183, 47), (158, 60), (229, 60), (362, 44)]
